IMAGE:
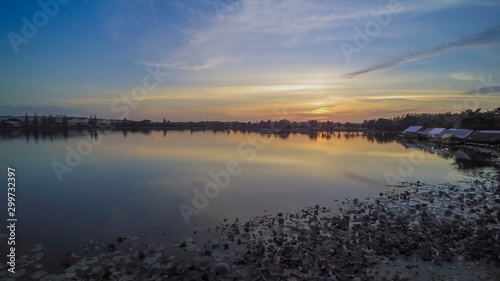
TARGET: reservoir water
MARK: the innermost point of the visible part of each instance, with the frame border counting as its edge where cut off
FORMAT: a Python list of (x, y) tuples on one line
[(112, 183)]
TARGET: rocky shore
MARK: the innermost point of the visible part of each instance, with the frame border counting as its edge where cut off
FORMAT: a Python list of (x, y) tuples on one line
[(491, 152), (413, 232)]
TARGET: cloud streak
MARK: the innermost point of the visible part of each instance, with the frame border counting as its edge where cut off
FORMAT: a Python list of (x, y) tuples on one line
[(484, 90), (487, 37), (189, 66)]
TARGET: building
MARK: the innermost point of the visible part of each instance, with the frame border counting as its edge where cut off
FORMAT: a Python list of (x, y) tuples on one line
[(457, 133), (412, 129), (434, 132), (423, 133), (455, 136), (12, 121), (491, 137), (78, 121)]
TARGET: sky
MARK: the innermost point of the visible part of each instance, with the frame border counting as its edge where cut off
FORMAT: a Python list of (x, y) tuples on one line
[(248, 60)]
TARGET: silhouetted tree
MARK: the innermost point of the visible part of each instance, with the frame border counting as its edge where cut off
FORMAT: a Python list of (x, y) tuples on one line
[(51, 121), (35, 120), (313, 123), (92, 120), (65, 121), (26, 120)]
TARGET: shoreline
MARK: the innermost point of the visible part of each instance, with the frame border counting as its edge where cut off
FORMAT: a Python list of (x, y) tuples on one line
[(414, 232)]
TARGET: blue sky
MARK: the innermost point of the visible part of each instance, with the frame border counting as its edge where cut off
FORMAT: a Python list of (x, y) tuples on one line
[(243, 60)]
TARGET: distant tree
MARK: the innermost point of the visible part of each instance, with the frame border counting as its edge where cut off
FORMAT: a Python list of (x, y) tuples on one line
[(467, 119), (329, 125), (51, 120), (262, 125), (285, 124), (92, 120), (65, 121), (35, 120), (26, 120), (43, 121), (313, 123), (383, 124)]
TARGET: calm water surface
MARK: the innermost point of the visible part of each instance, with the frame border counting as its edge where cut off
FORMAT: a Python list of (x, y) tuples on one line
[(133, 181)]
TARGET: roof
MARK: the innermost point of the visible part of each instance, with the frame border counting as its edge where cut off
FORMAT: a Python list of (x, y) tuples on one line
[(485, 136), (446, 136), (78, 119), (13, 118), (458, 133), (424, 132), (412, 129), (410, 145), (461, 155), (489, 132), (436, 151), (436, 131)]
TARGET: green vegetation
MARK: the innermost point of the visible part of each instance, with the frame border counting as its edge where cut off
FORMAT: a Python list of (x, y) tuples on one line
[(468, 119)]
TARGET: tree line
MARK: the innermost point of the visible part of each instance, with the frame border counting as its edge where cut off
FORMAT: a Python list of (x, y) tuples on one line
[(49, 121), (468, 119)]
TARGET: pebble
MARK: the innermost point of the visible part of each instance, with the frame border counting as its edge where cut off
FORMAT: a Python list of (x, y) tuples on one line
[(38, 274), (436, 225), (96, 269)]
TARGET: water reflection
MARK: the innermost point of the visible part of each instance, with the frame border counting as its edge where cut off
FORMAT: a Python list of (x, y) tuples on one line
[(135, 179), (47, 135), (461, 159), (55, 135)]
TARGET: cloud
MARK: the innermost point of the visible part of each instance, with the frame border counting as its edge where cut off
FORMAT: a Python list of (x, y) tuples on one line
[(462, 76), (189, 66), (487, 37), (20, 110), (262, 33), (484, 90)]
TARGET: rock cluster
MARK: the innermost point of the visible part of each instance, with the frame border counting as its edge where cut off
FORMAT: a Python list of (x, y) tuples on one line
[(415, 232)]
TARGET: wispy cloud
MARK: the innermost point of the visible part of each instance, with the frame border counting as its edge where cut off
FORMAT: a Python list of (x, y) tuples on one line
[(189, 66), (20, 110), (462, 76), (484, 90), (255, 33), (487, 37)]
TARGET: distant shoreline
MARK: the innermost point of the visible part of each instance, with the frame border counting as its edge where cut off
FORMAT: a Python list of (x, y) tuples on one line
[(193, 128)]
